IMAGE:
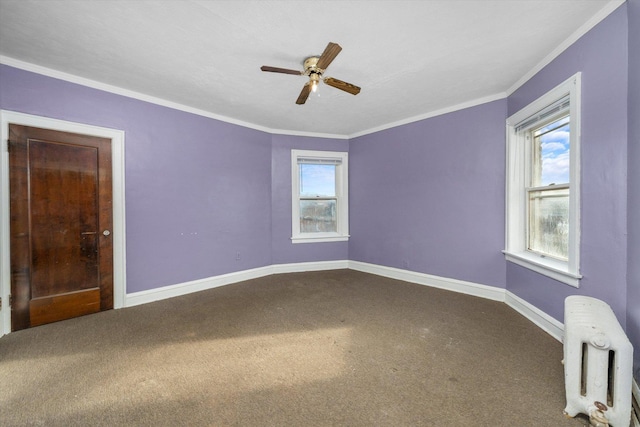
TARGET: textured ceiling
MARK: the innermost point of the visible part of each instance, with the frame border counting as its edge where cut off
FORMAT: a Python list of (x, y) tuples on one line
[(411, 58)]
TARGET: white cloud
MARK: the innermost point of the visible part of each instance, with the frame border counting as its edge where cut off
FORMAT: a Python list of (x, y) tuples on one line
[(555, 169), (560, 135), (553, 146)]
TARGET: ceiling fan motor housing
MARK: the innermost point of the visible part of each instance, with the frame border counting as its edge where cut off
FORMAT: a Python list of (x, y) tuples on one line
[(314, 67), (310, 66)]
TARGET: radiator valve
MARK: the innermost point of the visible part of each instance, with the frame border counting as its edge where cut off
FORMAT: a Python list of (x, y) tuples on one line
[(597, 418)]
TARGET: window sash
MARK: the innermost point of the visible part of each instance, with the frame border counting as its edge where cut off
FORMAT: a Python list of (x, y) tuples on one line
[(518, 184), (539, 222), (318, 215), (329, 191), (548, 224), (304, 229), (560, 121)]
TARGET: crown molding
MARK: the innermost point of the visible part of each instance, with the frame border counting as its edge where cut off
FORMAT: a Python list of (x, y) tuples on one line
[(71, 78), (585, 28), (440, 112)]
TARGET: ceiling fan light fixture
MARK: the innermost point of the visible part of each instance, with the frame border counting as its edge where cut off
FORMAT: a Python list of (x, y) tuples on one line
[(314, 67), (314, 78)]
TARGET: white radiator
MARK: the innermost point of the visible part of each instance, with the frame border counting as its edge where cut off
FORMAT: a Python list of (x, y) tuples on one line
[(598, 363)]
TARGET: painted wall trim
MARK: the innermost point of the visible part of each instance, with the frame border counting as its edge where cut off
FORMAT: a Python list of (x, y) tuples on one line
[(585, 28), (185, 288), (440, 112), (309, 266), (602, 14), (538, 317), (545, 322), (49, 72), (119, 230), (460, 286), (151, 295)]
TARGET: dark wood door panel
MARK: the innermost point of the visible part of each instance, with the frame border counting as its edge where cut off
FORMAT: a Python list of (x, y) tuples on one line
[(61, 261), (19, 233), (64, 218), (63, 306)]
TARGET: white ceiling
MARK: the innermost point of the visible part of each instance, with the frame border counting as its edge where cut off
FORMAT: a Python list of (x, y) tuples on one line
[(412, 59)]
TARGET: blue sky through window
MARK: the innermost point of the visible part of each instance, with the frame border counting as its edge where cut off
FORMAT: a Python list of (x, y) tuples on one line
[(317, 180), (554, 142)]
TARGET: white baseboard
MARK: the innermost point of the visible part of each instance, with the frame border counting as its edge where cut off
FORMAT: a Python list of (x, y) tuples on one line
[(534, 314), (185, 288), (300, 267), (460, 286), (545, 322)]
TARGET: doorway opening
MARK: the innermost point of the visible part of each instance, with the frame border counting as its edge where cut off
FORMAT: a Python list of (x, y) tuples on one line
[(116, 233)]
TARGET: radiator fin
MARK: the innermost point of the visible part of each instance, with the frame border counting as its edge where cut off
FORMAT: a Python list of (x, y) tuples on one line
[(598, 359)]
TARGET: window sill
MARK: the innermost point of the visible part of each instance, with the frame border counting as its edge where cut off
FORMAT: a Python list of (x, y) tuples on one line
[(549, 267), (319, 239)]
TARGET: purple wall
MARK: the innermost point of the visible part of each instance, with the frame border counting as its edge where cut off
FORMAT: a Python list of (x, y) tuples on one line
[(633, 276), (429, 196), (197, 190), (601, 56), (282, 250)]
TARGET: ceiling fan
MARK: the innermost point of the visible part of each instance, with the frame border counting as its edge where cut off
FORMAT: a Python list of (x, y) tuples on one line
[(314, 67)]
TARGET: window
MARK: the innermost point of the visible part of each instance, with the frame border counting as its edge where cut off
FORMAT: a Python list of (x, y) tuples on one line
[(320, 196), (543, 184)]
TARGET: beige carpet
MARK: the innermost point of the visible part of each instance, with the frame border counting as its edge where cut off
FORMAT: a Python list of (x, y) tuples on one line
[(338, 348)]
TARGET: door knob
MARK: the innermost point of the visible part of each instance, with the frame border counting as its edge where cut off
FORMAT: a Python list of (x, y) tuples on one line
[(106, 232)]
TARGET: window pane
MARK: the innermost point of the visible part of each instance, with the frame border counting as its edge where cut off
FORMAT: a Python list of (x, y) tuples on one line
[(551, 153), (318, 216), (549, 222), (317, 180)]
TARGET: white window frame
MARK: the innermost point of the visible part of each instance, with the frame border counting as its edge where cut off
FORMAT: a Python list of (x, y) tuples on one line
[(342, 197), (518, 158)]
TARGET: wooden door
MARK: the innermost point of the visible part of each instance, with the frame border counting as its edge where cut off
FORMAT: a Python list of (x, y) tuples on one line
[(60, 225)]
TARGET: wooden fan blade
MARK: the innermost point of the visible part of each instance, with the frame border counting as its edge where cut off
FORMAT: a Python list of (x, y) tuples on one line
[(330, 52), (339, 84), (304, 94), (281, 70)]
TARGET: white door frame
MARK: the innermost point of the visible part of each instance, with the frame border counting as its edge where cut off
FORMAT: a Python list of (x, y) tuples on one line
[(118, 232)]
